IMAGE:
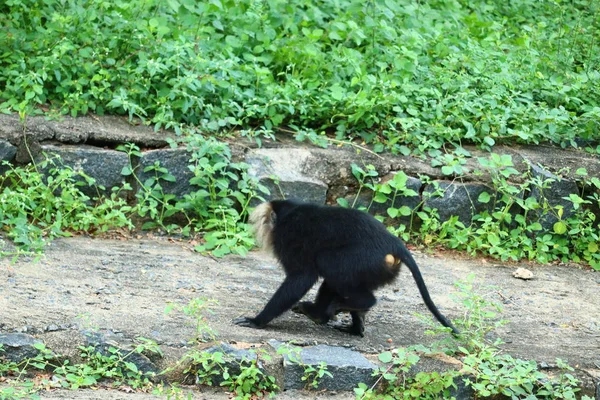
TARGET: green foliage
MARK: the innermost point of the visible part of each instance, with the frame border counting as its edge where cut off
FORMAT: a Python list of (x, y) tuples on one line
[(397, 384), (507, 235), (36, 206), (247, 381), (511, 229), (45, 200), (197, 309), (246, 377), (111, 367), (217, 208), (485, 368), (403, 73)]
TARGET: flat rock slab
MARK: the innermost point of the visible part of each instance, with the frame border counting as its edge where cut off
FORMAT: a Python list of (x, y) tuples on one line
[(124, 286), (347, 367)]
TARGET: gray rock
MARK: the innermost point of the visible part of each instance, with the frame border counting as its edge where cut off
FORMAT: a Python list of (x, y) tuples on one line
[(103, 165), (348, 367), (106, 130), (459, 199), (334, 165), (554, 195), (177, 162), (18, 346), (12, 128), (28, 149), (282, 172)]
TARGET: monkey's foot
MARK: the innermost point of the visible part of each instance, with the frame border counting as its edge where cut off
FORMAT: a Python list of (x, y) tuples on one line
[(307, 308), (351, 329), (246, 322)]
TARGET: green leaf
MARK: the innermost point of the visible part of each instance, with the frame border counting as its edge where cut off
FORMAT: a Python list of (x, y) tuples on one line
[(484, 197), (493, 239), (447, 170), (386, 357), (168, 178), (342, 202), (560, 228), (405, 211)]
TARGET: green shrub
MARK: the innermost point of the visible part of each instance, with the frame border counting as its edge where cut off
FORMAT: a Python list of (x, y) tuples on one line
[(402, 73)]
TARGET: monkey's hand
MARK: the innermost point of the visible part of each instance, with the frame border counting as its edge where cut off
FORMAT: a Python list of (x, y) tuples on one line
[(247, 322)]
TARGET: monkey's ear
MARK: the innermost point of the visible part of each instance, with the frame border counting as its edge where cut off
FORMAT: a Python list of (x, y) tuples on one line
[(272, 218)]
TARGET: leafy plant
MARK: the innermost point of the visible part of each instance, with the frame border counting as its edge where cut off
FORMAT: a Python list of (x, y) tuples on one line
[(113, 366), (245, 377), (387, 73), (47, 200), (509, 228), (485, 368), (397, 385)]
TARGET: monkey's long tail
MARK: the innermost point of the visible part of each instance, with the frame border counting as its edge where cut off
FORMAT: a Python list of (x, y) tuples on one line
[(410, 262)]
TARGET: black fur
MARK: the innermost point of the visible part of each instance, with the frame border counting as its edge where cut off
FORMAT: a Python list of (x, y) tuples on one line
[(347, 248)]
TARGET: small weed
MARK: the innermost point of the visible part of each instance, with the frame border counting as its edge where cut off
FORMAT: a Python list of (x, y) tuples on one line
[(110, 367), (313, 373), (218, 208), (485, 368), (398, 385), (246, 377), (36, 206)]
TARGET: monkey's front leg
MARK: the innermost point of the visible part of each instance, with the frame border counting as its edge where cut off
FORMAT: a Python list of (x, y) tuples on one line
[(289, 293)]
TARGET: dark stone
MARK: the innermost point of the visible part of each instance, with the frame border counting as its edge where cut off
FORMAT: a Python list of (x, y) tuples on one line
[(459, 199), (554, 195), (177, 162), (462, 391), (348, 367), (104, 166), (282, 172), (18, 346), (7, 153), (28, 150)]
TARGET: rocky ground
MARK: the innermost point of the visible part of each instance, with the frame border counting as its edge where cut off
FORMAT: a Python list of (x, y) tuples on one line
[(122, 287)]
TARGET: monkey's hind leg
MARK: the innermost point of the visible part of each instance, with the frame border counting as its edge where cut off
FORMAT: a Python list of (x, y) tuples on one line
[(358, 304), (321, 311), (357, 327)]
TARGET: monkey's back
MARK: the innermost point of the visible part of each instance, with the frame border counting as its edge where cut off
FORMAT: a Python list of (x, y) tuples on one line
[(340, 244)]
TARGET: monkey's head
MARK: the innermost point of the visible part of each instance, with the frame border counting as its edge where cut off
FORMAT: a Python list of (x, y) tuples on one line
[(262, 220)]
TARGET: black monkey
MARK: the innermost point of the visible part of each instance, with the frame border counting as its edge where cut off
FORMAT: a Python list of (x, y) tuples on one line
[(352, 251)]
